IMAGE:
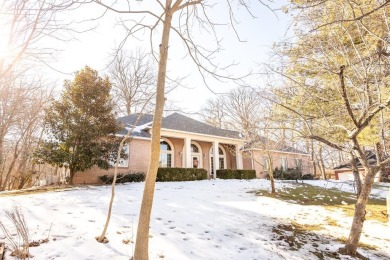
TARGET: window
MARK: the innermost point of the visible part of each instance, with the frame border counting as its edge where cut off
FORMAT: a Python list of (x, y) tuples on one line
[(283, 163), (122, 162), (298, 163), (196, 155), (166, 154), (222, 159), (194, 148), (265, 163)]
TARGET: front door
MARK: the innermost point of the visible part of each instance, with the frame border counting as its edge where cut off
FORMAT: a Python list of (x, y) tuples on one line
[(195, 161)]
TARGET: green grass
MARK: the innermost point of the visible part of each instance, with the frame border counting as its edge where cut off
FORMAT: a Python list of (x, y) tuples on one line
[(305, 194)]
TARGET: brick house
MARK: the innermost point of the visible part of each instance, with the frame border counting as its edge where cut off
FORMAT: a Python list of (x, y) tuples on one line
[(186, 143)]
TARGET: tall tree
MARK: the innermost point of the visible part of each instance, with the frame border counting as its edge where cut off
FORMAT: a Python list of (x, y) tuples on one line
[(337, 77), (22, 101), (239, 110), (179, 17), (81, 125), (25, 27), (133, 80)]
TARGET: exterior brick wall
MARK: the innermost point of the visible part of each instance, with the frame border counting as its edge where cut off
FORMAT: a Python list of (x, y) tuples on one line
[(276, 157), (139, 154)]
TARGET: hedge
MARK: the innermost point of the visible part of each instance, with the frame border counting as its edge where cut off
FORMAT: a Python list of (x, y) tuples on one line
[(236, 174), (123, 178), (181, 174)]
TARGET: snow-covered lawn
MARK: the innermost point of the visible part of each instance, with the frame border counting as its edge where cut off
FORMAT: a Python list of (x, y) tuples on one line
[(220, 219)]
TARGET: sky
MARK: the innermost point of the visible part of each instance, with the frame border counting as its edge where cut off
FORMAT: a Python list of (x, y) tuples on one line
[(93, 47)]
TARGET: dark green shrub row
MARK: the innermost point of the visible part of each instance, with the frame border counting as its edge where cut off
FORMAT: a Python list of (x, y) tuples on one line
[(236, 174), (123, 178), (181, 174), (308, 177)]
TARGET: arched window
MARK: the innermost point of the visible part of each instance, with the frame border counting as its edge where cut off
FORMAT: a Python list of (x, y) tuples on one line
[(194, 148), (222, 158), (166, 154), (196, 155)]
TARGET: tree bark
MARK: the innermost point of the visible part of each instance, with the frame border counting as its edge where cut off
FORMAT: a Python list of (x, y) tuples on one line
[(102, 238), (271, 174), (388, 204), (360, 213), (356, 174), (141, 251)]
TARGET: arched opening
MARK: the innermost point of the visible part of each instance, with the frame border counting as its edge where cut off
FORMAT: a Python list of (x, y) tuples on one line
[(166, 154), (222, 158), (196, 155)]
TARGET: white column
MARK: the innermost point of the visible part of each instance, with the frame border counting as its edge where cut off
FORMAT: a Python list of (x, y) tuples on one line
[(238, 157), (187, 148), (215, 158)]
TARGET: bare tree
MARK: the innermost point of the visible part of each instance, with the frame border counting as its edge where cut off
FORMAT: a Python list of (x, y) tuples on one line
[(213, 112), (133, 77), (178, 17), (25, 23), (239, 109), (336, 78), (22, 103)]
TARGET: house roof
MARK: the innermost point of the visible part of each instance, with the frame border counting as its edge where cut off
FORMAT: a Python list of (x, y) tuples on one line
[(179, 122), (137, 122), (370, 156), (174, 121)]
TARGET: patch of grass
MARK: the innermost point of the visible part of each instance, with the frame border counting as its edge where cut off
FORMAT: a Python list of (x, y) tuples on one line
[(361, 245), (305, 194), (296, 236), (331, 222), (36, 190), (305, 227)]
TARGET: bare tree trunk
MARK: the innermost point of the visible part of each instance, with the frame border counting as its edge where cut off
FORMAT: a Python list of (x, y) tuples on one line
[(388, 204), (102, 238), (379, 158), (71, 175), (359, 216), (321, 162), (271, 174), (313, 158), (356, 175), (142, 242)]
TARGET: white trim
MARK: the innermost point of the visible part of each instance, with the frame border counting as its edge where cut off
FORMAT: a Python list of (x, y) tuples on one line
[(200, 154), (171, 152), (209, 138), (276, 151), (219, 156), (134, 137)]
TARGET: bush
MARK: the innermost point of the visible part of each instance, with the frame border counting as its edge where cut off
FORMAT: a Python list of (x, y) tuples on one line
[(181, 174), (288, 174), (236, 174), (308, 177), (123, 178)]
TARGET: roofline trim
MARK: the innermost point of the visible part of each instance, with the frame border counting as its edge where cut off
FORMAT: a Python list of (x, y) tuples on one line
[(278, 151), (206, 135)]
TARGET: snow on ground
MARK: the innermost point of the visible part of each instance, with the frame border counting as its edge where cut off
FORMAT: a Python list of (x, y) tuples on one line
[(219, 219), (379, 191)]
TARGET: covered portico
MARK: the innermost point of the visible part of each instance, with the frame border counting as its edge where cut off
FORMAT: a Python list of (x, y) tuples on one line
[(197, 150)]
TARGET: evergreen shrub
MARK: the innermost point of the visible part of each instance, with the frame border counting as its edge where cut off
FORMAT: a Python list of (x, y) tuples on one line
[(123, 178), (181, 174), (236, 174)]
